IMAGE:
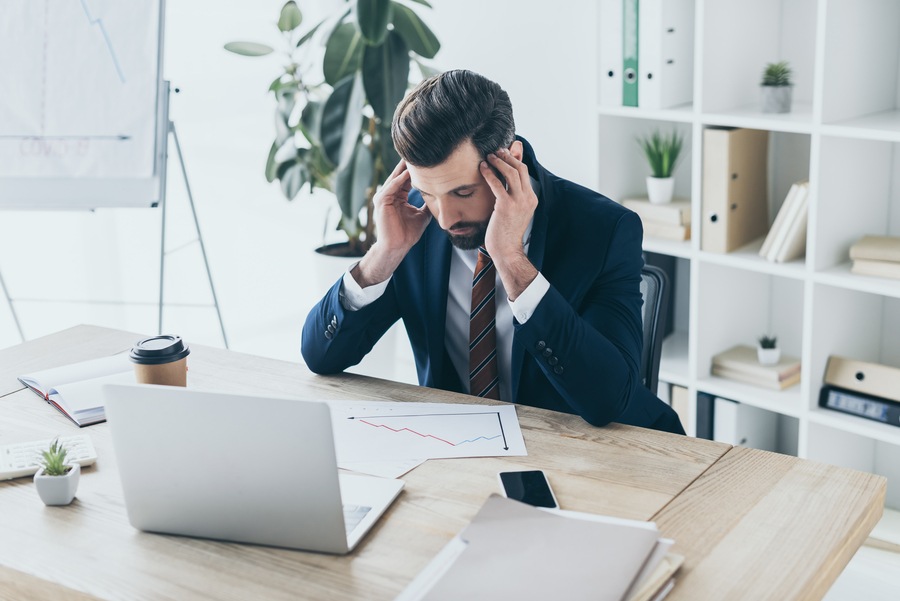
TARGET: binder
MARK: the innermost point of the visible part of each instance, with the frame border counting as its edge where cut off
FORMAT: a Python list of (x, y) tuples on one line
[(735, 206), (879, 381), (860, 405), (610, 14), (666, 52), (630, 48), (744, 425)]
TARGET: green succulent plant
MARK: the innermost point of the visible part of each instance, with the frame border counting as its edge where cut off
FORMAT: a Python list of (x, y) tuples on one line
[(53, 460), (777, 74), (768, 341), (662, 152)]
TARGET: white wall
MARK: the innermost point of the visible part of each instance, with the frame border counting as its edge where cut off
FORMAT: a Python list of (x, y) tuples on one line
[(260, 246)]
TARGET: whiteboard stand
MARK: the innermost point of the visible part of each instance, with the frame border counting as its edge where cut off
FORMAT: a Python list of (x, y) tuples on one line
[(12, 308), (162, 201)]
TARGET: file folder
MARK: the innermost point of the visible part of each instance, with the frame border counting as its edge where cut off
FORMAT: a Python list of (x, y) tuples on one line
[(610, 27), (868, 378), (666, 53), (734, 192), (630, 47)]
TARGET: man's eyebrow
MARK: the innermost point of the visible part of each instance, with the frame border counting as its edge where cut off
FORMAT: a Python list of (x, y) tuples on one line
[(453, 191)]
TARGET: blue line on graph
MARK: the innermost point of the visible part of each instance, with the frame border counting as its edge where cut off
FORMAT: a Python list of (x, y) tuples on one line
[(99, 23), (477, 439)]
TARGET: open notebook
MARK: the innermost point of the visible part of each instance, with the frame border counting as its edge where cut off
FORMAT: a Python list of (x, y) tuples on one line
[(515, 551), (76, 389)]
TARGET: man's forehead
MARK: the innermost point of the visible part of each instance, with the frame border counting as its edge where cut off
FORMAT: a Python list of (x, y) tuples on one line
[(460, 169)]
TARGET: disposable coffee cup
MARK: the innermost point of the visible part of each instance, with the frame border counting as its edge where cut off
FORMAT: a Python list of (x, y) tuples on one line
[(160, 360)]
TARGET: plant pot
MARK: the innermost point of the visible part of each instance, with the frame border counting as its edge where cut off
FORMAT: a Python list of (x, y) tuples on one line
[(660, 189), (776, 99), (58, 490), (768, 356)]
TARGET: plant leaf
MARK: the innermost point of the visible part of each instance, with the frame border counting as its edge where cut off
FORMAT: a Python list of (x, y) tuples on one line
[(373, 17), (292, 178), (309, 34), (282, 129), (426, 70), (415, 33), (351, 187), (290, 18), (248, 48), (386, 74), (343, 53), (389, 156), (311, 122), (271, 165), (422, 2), (342, 120)]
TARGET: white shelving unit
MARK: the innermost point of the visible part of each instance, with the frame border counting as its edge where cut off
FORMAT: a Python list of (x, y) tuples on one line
[(843, 135)]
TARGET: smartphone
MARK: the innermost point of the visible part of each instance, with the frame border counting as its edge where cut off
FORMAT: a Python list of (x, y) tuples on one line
[(529, 487)]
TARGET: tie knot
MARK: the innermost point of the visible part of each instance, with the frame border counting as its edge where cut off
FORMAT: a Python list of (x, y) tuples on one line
[(484, 258)]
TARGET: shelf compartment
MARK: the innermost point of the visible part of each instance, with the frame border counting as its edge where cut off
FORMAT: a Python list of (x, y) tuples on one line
[(747, 257), (786, 402), (673, 365), (681, 114), (799, 120), (841, 277), (883, 126)]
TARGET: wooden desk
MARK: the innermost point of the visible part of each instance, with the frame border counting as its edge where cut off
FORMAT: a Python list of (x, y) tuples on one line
[(752, 525)]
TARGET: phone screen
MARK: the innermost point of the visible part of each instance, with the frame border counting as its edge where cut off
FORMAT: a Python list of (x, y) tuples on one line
[(529, 487)]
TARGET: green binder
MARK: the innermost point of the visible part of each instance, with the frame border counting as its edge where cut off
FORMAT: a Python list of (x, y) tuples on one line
[(630, 52)]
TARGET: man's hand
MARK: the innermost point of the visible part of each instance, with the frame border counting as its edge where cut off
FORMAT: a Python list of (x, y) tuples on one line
[(399, 226), (513, 210)]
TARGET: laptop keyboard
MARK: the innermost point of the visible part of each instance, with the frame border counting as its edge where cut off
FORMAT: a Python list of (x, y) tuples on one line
[(353, 515)]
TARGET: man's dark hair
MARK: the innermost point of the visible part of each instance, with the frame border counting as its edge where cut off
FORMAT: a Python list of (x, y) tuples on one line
[(446, 110)]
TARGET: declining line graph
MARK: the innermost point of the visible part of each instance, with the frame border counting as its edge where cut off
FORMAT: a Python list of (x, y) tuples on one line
[(384, 431), (98, 22)]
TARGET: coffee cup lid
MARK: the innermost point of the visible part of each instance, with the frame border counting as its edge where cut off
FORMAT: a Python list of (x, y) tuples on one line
[(158, 350)]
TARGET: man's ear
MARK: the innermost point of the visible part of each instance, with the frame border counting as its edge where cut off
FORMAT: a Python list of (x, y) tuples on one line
[(517, 150)]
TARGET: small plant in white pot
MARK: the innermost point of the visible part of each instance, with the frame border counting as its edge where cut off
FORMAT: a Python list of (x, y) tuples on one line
[(767, 352), (662, 152), (777, 88), (56, 480)]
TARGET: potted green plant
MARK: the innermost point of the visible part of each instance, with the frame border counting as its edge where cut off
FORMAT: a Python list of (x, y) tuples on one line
[(777, 88), (662, 153), (767, 351), (334, 133), (56, 480)]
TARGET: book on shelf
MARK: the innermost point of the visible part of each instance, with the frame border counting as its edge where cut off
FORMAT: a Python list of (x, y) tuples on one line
[(741, 363), (580, 556), (881, 269), (677, 212), (877, 248), (786, 239), (667, 232), (75, 390)]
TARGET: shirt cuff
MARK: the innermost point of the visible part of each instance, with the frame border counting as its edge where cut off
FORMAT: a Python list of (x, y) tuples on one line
[(523, 307), (353, 297)]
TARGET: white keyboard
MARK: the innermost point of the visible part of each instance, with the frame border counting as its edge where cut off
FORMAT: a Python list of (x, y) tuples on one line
[(23, 459)]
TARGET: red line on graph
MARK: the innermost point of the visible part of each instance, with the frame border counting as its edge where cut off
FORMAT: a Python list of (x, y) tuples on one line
[(407, 430)]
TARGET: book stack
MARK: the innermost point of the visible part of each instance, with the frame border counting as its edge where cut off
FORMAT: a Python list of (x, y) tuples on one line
[(878, 256), (740, 363), (786, 240), (670, 221)]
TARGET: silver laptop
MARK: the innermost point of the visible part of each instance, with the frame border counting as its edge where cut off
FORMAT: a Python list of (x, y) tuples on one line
[(249, 469)]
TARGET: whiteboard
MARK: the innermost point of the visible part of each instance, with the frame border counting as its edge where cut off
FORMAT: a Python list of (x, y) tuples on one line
[(83, 119)]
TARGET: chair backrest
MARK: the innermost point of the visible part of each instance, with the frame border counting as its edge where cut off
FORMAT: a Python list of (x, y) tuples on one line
[(655, 292)]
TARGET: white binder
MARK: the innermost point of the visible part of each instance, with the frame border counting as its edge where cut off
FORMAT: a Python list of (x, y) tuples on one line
[(666, 50), (610, 28)]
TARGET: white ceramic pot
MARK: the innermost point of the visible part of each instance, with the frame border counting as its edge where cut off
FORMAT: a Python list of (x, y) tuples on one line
[(776, 99), (660, 189), (768, 356), (58, 490)]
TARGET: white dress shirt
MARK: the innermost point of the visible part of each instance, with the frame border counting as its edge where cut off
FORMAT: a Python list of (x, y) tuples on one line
[(459, 302)]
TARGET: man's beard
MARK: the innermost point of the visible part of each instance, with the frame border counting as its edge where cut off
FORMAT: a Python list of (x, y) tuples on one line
[(470, 241)]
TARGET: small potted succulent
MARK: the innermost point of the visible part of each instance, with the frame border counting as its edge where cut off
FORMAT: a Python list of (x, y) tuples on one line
[(662, 153), (777, 88), (56, 480), (767, 352)]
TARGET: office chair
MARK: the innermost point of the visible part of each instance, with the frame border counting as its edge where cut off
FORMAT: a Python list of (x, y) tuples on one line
[(655, 292)]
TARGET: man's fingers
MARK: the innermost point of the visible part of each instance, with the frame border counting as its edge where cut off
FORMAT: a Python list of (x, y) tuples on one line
[(395, 184), (492, 180), (508, 172), (519, 166), (400, 167)]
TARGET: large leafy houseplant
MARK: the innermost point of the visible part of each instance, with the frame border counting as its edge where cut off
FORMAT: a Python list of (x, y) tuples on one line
[(333, 126)]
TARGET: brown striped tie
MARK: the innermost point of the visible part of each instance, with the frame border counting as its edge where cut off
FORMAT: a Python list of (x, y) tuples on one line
[(484, 376)]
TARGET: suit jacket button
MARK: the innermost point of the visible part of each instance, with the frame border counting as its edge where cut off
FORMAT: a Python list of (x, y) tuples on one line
[(558, 370), (334, 320), (548, 352), (552, 360), (541, 345), (330, 328), (328, 335)]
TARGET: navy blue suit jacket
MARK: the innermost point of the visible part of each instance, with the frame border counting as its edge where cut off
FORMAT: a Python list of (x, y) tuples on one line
[(580, 352)]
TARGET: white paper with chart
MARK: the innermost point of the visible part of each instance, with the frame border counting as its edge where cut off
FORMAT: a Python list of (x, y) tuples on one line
[(392, 431)]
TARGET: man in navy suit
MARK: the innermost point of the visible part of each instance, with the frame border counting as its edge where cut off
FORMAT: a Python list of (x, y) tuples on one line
[(467, 207)]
